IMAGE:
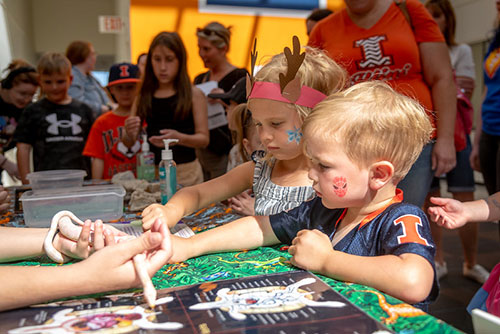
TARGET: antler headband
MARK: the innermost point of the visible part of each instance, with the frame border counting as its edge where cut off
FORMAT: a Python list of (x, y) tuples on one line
[(289, 90)]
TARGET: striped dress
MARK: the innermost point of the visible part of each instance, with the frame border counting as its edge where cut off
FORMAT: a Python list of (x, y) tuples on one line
[(270, 198)]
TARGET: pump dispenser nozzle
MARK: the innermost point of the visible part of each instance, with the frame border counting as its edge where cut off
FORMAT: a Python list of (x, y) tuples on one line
[(166, 154), (145, 144)]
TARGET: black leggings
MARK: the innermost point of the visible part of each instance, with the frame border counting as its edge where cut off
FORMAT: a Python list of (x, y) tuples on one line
[(489, 158)]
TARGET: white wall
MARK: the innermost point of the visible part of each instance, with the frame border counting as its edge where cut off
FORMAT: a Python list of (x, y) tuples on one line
[(18, 18), (475, 19)]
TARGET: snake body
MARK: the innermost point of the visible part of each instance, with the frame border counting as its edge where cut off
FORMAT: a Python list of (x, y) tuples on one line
[(63, 222)]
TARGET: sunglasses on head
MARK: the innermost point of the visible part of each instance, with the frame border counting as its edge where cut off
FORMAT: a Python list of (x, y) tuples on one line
[(209, 32)]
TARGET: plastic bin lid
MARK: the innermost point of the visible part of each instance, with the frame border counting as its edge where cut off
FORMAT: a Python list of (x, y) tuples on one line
[(56, 175)]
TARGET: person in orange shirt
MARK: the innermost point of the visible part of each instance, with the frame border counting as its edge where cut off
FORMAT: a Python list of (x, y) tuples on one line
[(373, 40)]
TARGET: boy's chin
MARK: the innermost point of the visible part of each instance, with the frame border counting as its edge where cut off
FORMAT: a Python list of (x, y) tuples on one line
[(330, 205)]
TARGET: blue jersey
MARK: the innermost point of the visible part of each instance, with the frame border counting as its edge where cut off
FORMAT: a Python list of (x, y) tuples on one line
[(397, 229)]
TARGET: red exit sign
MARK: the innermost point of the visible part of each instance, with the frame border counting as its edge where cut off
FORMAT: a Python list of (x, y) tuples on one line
[(110, 24)]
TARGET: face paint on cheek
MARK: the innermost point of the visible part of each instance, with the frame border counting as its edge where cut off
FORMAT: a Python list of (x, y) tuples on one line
[(340, 186), (294, 135)]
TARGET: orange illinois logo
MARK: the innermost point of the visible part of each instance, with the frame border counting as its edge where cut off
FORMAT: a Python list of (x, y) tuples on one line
[(124, 71), (410, 225), (492, 63)]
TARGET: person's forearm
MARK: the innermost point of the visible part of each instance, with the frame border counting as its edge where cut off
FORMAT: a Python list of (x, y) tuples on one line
[(23, 161), (22, 286), (197, 140), (21, 243), (445, 103), (388, 273), (242, 234)]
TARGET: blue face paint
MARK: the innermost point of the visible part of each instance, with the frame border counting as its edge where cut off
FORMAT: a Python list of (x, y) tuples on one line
[(294, 135)]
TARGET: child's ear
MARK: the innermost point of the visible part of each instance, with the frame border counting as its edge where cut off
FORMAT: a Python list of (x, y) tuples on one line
[(381, 173), (246, 146)]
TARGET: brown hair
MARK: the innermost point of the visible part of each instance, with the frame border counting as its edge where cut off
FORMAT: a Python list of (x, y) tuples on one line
[(54, 62), (182, 84), (28, 75), (78, 51), (243, 122), (445, 7)]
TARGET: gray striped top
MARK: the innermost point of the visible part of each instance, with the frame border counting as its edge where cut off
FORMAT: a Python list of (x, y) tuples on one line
[(270, 198)]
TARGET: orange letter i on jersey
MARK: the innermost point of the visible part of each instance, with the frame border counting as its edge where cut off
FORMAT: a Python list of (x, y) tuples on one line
[(410, 230)]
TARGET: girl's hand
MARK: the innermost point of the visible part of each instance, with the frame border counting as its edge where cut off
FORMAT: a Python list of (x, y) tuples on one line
[(133, 126), (311, 250), (113, 268), (165, 134), (243, 203), (449, 213), (153, 213)]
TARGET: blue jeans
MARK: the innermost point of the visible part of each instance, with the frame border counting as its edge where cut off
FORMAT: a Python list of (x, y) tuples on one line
[(417, 182)]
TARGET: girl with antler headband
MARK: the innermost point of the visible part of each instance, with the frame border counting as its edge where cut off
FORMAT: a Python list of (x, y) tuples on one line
[(279, 105)]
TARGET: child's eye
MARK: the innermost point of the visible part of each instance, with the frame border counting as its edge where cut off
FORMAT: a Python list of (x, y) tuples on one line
[(257, 124), (323, 167), (276, 123)]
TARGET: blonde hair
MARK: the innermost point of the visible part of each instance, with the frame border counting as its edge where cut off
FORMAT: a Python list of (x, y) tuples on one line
[(372, 122), (318, 71), (54, 62), (214, 32)]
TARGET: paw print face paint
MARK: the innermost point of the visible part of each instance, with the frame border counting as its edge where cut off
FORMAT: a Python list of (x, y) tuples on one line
[(340, 186)]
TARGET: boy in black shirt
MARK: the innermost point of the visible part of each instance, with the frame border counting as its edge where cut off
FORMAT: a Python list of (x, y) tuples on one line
[(56, 127)]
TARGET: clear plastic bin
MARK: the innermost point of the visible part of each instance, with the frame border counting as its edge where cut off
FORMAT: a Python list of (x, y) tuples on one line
[(90, 202), (52, 179)]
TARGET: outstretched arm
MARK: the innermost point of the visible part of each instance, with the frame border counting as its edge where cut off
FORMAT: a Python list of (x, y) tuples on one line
[(408, 277), (110, 269), (244, 233), (190, 199)]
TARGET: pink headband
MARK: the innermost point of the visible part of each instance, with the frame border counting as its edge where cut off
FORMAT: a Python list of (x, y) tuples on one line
[(309, 97)]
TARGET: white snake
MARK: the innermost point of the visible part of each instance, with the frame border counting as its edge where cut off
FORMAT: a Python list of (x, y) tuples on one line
[(63, 221)]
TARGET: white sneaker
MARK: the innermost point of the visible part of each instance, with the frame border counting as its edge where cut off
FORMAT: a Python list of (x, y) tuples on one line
[(476, 273), (441, 270)]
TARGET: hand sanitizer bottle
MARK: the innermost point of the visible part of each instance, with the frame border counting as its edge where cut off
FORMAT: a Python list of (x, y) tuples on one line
[(145, 162), (168, 172)]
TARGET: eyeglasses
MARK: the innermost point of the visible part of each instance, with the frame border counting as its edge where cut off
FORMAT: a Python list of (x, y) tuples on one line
[(209, 32)]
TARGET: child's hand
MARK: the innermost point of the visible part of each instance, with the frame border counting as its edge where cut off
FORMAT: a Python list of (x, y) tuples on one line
[(243, 203), (102, 236), (112, 268), (11, 168), (450, 213), (165, 134), (152, 213), (133, 126), (311, 249)]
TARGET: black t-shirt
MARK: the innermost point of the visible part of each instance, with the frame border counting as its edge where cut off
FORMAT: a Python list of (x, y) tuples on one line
[(57, 134), (9, 117), (220, 138), (162, 117)]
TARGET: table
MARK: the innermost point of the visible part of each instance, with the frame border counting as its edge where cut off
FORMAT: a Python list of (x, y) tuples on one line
[(261, 261)]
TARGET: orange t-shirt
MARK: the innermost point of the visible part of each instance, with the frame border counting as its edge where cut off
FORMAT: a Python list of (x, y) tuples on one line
[(104, 142), (387, 51)]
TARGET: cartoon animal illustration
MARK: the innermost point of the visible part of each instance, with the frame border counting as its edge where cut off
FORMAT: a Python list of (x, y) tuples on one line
[(269, 299)]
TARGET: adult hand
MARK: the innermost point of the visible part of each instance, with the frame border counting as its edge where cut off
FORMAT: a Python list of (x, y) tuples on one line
[(216, 91), (449, 213), (243, 203), (165, 134), (93, 237), (467, 85), (112, 268), (444, 157), (133, 126), (307, 243), (474, 158)]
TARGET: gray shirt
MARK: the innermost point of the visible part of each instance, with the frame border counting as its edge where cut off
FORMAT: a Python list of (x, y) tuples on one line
[(86, 89)]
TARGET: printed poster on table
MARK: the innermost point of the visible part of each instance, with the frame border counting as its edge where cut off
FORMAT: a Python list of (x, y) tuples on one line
[(293, 302)]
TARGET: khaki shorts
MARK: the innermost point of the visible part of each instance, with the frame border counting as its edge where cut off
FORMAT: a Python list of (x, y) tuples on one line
[(189, 173)]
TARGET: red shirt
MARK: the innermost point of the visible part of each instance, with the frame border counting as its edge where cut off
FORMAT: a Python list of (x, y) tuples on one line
[(104, 142)]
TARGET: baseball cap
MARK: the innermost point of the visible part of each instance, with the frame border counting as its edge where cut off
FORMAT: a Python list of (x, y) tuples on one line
[(122, 73), (237, 93)]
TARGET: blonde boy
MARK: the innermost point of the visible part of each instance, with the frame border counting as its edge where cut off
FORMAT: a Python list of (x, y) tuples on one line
[(56, 126), (361, 143)]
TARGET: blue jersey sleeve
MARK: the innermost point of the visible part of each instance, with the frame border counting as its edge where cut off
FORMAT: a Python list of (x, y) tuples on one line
[(287, 224)]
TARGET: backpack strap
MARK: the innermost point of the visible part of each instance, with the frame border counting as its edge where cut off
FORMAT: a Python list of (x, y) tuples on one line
[(404, 9)]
